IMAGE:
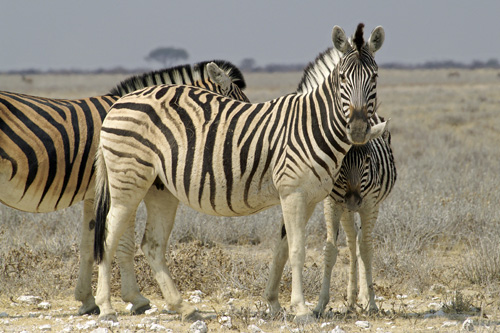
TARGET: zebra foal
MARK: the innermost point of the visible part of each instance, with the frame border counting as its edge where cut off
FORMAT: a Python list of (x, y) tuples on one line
[(47, 153), (229, 158)]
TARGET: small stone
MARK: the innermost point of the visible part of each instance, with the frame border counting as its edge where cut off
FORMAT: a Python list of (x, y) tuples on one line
[(450, 323), (45, 328), (198, 327), (28, 299), (4, 314), (129, 307), (401, 296), (363, 324), (44, 305), (435, 305), (254, 329), (337, 329), (151, 311), (194, 299), (157, 327), (226, 321)]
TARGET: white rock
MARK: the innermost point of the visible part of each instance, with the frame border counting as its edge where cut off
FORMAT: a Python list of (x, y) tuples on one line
[(379, 298), (435, 305), (198, 327), (67, 329), (254, 329), (90, 324), (29, 299), (326, 324), (129, 307), (226, 321), (468, 325), (6, 322), (157, 327), (194, 299), (101, 330), (337, 329), (151, 311), (363, 324), (401, 296), (4, 314), (45, 328), (44, 306), (450, 323)]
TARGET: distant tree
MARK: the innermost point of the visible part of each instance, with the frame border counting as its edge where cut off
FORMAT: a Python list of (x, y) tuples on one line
[(167, 56), (247, 64)]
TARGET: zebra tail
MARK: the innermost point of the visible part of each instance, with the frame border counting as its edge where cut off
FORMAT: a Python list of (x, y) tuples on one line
[(102, 202)]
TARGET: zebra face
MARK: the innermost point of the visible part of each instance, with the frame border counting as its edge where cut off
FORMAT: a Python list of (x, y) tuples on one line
[(356, 79)]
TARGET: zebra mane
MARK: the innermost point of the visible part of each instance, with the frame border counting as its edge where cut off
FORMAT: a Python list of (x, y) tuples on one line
[(358, 37), (183, 74), (317, 71)]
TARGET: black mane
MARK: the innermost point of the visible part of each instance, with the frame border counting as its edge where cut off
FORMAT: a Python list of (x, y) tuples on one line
[(358, 37), (183, 74)]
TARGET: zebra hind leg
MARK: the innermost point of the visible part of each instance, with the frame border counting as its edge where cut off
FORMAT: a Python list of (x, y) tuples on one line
[(162, 206), (280, 257), (125, 256), (83, 290)]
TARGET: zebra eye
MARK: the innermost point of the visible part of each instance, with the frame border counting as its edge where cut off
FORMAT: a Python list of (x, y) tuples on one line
[(342, 77), (374, 77)]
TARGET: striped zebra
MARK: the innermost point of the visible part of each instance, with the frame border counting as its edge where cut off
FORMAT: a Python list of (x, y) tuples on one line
[(229, 158), (366, 177), (47, 153)]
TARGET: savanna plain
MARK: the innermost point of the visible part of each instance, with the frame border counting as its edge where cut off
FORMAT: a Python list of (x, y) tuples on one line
[(436, 242)]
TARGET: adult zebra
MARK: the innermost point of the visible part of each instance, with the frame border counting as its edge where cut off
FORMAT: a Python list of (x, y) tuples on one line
[(229, 158), (367, 176), (47, 153)]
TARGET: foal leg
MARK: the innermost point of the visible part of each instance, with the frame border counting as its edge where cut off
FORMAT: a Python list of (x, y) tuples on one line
[(332, 219), (349, 227)]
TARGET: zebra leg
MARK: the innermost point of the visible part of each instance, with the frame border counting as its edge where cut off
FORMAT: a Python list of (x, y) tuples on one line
[(83, 290), (162, 206), (296, 214), (117, 222), (349, 227), (366, 292), (332, 219), (125, 256), (280, 257)]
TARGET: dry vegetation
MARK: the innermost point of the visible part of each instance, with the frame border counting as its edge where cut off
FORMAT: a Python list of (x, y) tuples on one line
[(437, 254)]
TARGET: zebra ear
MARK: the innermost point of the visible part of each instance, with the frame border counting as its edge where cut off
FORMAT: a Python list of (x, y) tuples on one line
[(379, 129), (376, 39), (218, 76), (339, 39)]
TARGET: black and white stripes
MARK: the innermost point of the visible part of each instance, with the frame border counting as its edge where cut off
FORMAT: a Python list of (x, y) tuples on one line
[(231, 158)]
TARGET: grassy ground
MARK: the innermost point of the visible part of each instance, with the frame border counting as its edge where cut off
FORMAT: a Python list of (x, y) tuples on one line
[(437, 255)]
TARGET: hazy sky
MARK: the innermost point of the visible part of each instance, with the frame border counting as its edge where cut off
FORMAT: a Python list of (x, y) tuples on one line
[(65, 34)]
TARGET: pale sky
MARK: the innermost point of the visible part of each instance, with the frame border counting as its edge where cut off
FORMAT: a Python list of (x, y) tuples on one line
[(91, 34)]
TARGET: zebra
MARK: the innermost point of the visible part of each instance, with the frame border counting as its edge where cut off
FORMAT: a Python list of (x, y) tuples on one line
[(48, 149), (229, 158), (366, 177)]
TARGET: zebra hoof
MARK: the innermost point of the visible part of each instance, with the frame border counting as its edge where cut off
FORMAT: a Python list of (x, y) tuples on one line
[(140, 310), (109, 317), (192, 317), (88, 310)]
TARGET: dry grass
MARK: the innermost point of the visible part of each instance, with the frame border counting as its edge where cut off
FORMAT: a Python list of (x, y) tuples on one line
[(438, 227)]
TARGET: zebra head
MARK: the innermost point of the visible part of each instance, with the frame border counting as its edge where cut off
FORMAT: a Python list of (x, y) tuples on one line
[(224, 80), (356, 80), (353, 176)]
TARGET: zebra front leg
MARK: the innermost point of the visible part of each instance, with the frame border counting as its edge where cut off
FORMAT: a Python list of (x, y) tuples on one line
[(366, 292), (349, 227), (296, 213), (280, 257), (83, 290), (332, 219), (125, 255), (162, 206)]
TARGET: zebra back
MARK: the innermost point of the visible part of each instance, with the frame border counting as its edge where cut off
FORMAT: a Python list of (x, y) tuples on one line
[(197, 75)]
